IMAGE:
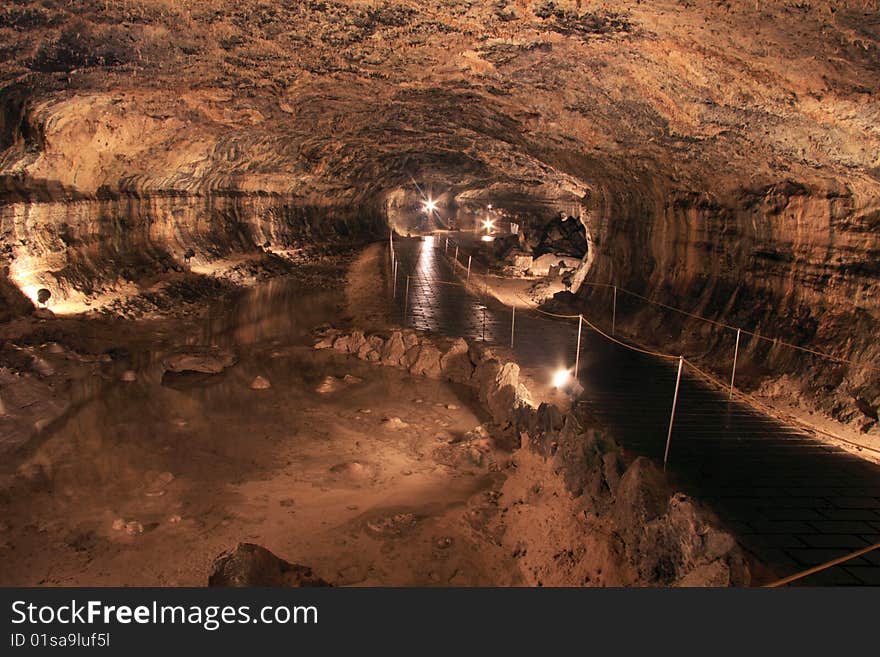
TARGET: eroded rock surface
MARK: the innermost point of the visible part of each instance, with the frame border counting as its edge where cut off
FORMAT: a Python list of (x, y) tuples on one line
[(573, 510), (253, 565)]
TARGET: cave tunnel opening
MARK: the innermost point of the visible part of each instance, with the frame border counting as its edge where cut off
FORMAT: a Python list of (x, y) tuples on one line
[(302, 274)]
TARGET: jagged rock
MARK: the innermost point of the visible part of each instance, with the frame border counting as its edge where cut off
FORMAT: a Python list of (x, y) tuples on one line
[(350, 343), (393, 350), (326, 336), (503, 393), (580, 460), (681, 547), (411, 356), (612, 469), (133, 528), (484, 376), (563, 236), (480, 352), (208, 360), (641, 496), (365, 350), (410, 339), (456, 362), (252, 565), (427, 361)]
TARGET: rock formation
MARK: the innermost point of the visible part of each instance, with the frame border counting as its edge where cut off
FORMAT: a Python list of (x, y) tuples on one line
[(573, 511), (722, 156)]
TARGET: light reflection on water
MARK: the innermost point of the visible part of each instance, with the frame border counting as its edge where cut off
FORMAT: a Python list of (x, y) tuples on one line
[(280, 309)]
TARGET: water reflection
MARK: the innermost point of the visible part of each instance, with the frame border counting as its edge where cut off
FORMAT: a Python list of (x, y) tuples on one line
[(279, 309)]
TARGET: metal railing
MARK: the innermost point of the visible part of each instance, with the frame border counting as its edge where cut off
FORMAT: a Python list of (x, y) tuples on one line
[(468, 275)]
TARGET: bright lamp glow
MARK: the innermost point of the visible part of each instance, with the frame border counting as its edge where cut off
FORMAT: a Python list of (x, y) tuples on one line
[(488, 224), (560, 378), (430, 205)]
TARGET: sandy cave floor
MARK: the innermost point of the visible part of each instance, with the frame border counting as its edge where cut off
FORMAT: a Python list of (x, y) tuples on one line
[(355, 470)]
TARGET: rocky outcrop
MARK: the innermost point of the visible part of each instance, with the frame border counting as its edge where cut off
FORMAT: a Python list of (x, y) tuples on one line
[(250, 565), (89, 253), (573, 506), (454, 360), (720, 157)]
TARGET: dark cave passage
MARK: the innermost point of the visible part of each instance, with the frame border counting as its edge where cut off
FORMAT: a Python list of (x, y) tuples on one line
[(268, 266)]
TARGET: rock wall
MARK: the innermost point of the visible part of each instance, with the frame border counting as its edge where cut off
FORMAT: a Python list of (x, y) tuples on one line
[(788, 261), (88, 251), (573, 510), (722, 155)]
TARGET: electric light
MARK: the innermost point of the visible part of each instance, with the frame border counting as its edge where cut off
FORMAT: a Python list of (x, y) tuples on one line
[(488, 224), (430, 205), (560, 378)]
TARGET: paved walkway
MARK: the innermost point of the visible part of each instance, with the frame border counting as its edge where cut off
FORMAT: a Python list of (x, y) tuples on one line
[(792, 500)]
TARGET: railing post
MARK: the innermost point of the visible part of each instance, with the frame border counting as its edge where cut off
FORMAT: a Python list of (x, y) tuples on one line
[(456, 258), (672, 414), (512, 323), (394, 284), (469, 270), (614, 312), (733, 369), (446, 246), (577, 355), (406, 301)]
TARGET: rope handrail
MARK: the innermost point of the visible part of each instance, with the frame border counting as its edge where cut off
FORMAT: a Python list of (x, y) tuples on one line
[(769, 410), (724, 325), (730, 327), (744, 397), (821, 567)]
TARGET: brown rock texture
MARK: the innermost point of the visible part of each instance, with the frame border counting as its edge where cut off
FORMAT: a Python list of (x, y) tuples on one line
[(253, 565), (722, 156), (573, 512)]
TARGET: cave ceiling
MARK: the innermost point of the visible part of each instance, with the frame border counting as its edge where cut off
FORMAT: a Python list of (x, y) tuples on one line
[(348, 99)]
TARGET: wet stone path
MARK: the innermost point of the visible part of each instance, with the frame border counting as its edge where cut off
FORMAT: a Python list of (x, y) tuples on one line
[(792, 500)]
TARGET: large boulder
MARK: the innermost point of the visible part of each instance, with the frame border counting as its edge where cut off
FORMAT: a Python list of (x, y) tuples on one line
[(252, 565), (427, 361), (456, 362), (580, 459), (394, 350), (640, 497), (681, 547), (350, 342), (410, 339), (504, 394)]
